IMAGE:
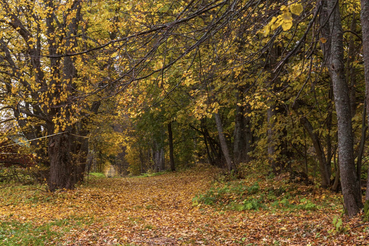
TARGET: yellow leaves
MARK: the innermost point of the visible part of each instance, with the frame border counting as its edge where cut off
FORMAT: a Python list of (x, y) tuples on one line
[(286, 25), (189, 80), (296, 8), (284, 20)]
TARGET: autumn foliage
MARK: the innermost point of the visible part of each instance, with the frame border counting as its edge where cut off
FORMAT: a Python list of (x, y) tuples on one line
[(166, 210), (148, 86)]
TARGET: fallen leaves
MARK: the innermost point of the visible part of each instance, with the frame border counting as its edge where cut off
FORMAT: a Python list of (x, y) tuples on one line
[(158, 211)]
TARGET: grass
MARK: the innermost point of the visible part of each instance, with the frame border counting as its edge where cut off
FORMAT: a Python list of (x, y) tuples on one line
[(97, 175), (15, 233), (267, 194), (30, 233), (181, 208)]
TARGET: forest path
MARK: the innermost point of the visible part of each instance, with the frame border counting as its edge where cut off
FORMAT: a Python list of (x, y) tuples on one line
[(158, 210)]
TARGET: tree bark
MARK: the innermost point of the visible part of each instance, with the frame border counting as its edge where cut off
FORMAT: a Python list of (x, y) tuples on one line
[(171, 152), (238, 144), (365, 34), (349, 180), (61, 169), (242, 134), (324, 170), (223, 144), (67, 151), (271, 141), (351, 73)]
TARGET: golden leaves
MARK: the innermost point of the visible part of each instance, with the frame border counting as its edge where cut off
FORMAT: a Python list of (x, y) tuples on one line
[(296, 8), (159, 209), (285, 19), (323, 40)]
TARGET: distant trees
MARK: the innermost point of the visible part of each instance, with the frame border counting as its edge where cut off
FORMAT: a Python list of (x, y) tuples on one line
[(226, 82)]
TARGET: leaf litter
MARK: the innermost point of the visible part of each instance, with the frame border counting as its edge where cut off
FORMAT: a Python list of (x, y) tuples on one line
[(159, 210)]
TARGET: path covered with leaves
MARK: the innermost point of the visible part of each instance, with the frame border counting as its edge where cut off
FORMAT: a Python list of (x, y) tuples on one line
[(160, 210)]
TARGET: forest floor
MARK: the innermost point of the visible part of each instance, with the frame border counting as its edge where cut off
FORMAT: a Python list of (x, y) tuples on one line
[(193, 207)]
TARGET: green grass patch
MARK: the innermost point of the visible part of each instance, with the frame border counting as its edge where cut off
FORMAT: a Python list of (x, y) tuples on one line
[(97, 175), (263, 194), (17, 233)]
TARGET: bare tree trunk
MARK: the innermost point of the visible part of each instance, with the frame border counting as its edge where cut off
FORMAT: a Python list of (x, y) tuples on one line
[(162, 159), (325, 172), (171, 154), (242, 134), (270, 137), (223, 144), (365, 34), (349, 180), (238, 144)]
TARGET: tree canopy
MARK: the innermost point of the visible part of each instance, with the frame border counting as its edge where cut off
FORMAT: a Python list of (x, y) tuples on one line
[(156, 85)]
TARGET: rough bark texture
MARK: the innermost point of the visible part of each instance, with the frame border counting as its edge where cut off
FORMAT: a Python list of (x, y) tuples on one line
[(61, 170), (365, 35), (350, 185)]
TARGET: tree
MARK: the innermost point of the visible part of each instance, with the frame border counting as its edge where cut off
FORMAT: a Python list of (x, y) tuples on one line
[(171, 151), (46, 91), (350, 182), (240, 79), (365, 34)]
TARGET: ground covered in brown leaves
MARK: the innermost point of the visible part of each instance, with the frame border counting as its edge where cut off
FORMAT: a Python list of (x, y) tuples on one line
[(161, 210)]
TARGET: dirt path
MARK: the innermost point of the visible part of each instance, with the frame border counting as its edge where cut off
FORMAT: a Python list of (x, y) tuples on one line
[(159, 211)]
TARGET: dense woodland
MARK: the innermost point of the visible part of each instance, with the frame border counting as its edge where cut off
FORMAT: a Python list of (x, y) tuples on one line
[(152, 85)]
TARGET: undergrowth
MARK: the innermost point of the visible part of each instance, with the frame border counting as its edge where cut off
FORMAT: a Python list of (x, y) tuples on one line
[(28, 233), (267, 194)]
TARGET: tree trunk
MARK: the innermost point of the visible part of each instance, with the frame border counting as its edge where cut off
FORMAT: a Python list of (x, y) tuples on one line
[(238, 144), (351, 73), (242, 134), (61, 168), (223, 144), (365, 35), (271, 142), (171, 154), (67, 151), (349, 181), (162, 159), (158, 157), (325, 172), (212, 147)]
